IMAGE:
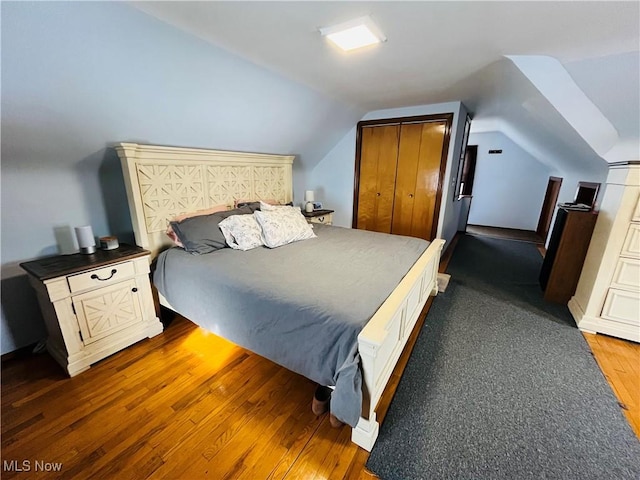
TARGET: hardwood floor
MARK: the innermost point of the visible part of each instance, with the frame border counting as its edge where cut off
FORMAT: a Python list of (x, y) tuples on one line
[(619, 361), (188, 405), (184, 405)]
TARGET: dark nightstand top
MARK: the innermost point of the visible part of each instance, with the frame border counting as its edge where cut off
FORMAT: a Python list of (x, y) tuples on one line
[(317, 213), (52, 267)]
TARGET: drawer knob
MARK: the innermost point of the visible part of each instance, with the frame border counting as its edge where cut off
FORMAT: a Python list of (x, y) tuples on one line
[(96, 277), (134, 289)]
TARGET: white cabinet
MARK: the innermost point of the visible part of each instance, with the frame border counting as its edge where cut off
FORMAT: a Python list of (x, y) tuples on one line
[(607, 298), (94, 305), (106, 310), (631, 247), (627, 274), (619, 305)]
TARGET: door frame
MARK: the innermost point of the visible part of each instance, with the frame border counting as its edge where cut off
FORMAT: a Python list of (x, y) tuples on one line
[(548, 207), (438, 117)]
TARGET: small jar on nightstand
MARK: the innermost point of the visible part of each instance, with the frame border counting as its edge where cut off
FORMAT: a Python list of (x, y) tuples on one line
[(319, 216)]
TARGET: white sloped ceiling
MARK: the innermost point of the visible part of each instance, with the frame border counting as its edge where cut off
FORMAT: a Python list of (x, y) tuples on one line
[(447, 51)]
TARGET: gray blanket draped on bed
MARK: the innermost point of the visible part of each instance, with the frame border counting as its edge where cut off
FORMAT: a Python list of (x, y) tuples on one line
[(301, 305)]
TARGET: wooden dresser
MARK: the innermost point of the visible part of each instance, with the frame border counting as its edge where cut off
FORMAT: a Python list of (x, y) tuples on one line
[(565, 255)]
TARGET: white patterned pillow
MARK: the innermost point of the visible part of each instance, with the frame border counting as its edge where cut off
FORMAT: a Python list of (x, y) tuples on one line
[(283, 225), (241, 232)]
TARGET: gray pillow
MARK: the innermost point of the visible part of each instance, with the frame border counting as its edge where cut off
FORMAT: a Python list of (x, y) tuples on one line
[(256, 205), (252, 205), (202, 234)]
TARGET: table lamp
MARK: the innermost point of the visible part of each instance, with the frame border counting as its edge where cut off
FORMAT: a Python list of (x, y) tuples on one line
[(308, 198)]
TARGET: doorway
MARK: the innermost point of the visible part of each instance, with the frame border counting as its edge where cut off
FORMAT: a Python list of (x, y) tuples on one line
[(468, 171), (548, 207)]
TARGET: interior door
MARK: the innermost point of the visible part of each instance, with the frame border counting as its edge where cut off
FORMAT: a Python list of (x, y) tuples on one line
[(548, 207), (418, 179), (378, 159)]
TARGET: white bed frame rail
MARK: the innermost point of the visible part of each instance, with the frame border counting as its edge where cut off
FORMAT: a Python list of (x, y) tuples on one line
[(383, 339), (163, 182)]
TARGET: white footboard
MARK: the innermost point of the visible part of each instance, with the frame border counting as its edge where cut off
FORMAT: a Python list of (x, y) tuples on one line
[(382, 340)]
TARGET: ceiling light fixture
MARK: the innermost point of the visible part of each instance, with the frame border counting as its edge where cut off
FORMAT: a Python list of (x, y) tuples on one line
[(353, 34)]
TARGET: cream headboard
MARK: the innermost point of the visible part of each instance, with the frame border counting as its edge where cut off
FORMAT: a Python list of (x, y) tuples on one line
[(163, 182)]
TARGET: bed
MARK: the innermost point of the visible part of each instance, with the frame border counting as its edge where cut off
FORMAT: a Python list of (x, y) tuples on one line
[(358, 352)]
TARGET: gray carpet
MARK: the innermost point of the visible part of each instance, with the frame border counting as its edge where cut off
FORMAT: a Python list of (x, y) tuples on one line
[(501, 385)]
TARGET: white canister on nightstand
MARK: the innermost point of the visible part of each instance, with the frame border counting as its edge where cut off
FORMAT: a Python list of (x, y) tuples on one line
[(86, 240)]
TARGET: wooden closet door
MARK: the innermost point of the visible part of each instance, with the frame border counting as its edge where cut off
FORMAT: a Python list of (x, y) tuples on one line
[(418, 179), (378, 158)]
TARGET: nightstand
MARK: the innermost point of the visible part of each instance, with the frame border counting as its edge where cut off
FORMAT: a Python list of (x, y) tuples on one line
[(94, 305), (319, 216)]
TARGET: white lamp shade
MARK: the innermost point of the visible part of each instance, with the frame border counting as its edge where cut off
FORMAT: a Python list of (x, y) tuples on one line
[(308, 196)]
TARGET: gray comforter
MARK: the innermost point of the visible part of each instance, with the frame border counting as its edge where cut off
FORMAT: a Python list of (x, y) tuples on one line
[(301, 305)]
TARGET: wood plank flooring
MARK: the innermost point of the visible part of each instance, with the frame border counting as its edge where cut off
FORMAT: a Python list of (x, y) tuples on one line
[(188, 405), (619, 361)]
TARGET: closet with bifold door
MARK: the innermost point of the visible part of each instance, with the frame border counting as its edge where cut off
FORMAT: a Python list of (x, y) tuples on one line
[(400, 165)]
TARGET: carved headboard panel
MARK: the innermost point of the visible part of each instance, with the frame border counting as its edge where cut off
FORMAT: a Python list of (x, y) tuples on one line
[(163, 182)]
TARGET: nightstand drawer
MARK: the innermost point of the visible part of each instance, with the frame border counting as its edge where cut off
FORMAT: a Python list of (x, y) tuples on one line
[(101, 277), (325, 219)]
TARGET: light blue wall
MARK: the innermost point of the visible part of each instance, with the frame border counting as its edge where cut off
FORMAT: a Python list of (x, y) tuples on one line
[(78, 77), (509, 189), (334, 176), (333, 179)]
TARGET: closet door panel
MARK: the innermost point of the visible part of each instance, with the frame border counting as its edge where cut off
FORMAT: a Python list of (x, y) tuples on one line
[(408, 159), (378, 159), (428, 180)]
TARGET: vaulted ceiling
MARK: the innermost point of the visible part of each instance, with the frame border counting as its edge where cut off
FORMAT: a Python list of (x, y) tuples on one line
[(447, 51)]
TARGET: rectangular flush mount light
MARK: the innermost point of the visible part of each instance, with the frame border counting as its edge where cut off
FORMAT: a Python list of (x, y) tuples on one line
[(353, 34)]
